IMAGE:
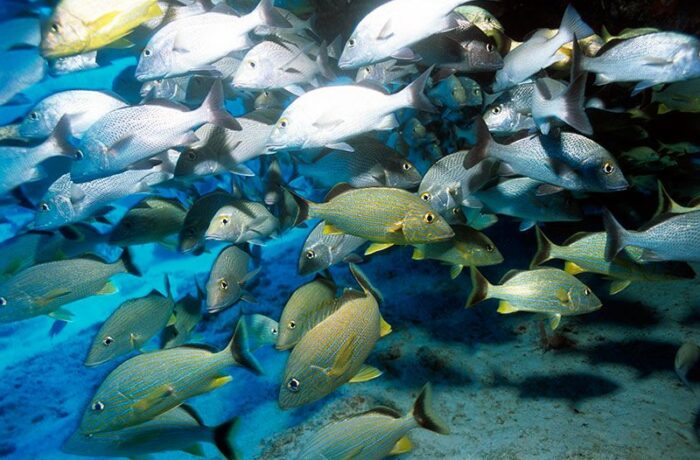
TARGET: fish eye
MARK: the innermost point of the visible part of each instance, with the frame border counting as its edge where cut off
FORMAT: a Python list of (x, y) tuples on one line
[(429, 218), (351, 42), (406, 166), (310, 254), (191, 155), (608, 168), (44, 206), (146, 52), (3, 302), (496, 110), (223, 284), (251, 64), (368, 70), (159, 81), (425, 196), (224, 220), (98, 406), (283, 123), (477, 91), (79, 155), (489, 248), (34, 116), (292, 325), (55, 27), (274, 331), (586, 292), (293, 385), (490, 47), (107, 341)]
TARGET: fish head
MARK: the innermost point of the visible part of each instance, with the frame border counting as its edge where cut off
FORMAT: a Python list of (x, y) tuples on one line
[(359, 50), (414, 132), (449, 92), (478, 248), (221, 293), (502, 118), (400, 173), (156, 59), (224, 226), (475, 96), (38, 122), (161, 88), (314, 257), (602, 173), (482, 55), (106, 347), (256, 71), (441, 196), (198, 162), (288, 133), (13, 305), (425, 225), (92, 159), (54, 210), (291, 328), (374, 72), (65, 35), (687, 60), (189, 239), (582, 299), (105, 411)]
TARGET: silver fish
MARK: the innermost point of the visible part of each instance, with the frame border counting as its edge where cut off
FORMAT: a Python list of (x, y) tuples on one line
[(27, 69), (191, 236), (320, 251), (242, 222), (152, 220), (385, 72), (511, 111), (227, 279), (77, 63)]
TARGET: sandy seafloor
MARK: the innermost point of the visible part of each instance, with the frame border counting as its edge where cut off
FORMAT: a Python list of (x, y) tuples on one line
[(613, 395)]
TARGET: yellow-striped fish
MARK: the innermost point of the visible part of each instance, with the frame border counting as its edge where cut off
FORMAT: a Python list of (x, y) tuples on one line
[(333, 352), (150, 384), (375, 434), (386, 216), (79, 26)]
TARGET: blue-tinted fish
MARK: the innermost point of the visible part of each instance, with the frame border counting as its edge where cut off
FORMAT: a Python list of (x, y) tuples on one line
[(27, 68), (226, 284)]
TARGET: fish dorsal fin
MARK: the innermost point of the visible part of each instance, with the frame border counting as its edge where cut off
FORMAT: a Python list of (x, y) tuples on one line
[(371, 84), (192, 413), (382, 410), (509, 275), (200, 346), (576, 237), (365, 283), (338, 190), (168, 104), (223, 8)]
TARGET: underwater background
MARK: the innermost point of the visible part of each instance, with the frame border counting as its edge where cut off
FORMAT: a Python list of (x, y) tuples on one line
[(601, 386)]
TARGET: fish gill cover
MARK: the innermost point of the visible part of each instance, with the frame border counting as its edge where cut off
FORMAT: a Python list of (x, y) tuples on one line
[(339, 230)]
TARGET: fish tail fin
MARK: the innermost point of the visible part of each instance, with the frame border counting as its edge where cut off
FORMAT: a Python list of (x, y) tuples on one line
[(544, 249), (322, 62), (240, 349), (480, 151), (573, 25), (422, 412), (365, 283), (304, 207), (413, 96), (616, 236), (578, 59), (480, 288), (60, 137), (222, 438), (572, 109), (666, 203), (269, 16), (128, 262), (214, 110)]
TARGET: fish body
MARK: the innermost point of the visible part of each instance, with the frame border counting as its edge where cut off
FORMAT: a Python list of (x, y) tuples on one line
[(152, 220), (242, 222), (20, 32), (519, 198), (193, 43), (44, 288), (461, 50), (481, 18), (79, 26), (82, 107), (66, 202), (585, 252), (131, 134), (651, 59), (372, 164), (468, 248), (512, 111), (539, 51), (129, 327), (549, 291), (191, 236), (687, 357), (328, 116), (27, 69), (331, 353), (178, 429), (385, 72), (667, 237), (568, 106), (150, 384), (229, 274), (301, 308), (77, 63), (382, 215), (375, 434), (320, 251), (390, 29)]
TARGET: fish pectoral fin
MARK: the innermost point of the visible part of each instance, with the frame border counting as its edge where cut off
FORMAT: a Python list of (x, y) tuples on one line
[(195, 449), (108, 288), (249, 276), (650, 256), (330, 229), (120, 145), (506, 308), (396, 227), (386, 31), (219, 381), (342, 146), (418, 253), (327, 123), (343, 358), (248, 297), (365, 374), (377, 247), (402, 446), (104, 20), (573, 269), (295, 90), (563, 296), (657, 60), (618, 286), (51, 296), (384, 327), (61, 315), (153, 398), (455, 270), (172, 320), (554, 321)]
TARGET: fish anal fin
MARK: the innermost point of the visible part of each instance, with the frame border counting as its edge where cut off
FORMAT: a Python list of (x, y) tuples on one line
[(384, 327), (219, 382), (554, 321), (455, 270), (365, 374), (618, 286), (377, 247), (506, 308), (573, 269), (402, 446)]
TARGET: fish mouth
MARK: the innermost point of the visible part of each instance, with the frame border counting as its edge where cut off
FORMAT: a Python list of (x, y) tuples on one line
[(274, 148), (617, 188), (283, 347)]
